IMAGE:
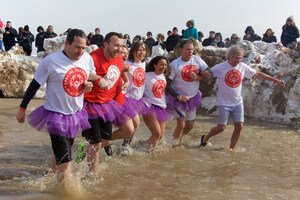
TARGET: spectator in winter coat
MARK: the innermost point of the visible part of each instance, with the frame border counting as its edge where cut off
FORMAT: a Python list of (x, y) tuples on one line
[(89, 39), (250, 35), (200, 36), (218, 41), (269, 36), (25, 40), (169, 33), (9, 37), (97, 38), (290, 33), (39, 39), (172, 40), (126, 40), (160, 40), (233, 40), (150, 42), (209, 40), (191, 31), (50, 33), (2, 30)]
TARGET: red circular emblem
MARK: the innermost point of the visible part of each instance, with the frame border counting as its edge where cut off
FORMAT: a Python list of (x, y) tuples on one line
[(185, 73), (159, 88), (139, 77), (233, 78), (73, 81)]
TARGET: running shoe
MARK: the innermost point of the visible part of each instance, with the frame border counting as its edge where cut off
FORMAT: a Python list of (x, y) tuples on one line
[(203, 144), (80, 154), (108, 150)]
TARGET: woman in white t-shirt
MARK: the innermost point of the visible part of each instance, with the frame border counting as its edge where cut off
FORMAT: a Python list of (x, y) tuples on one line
[(135, 90), (155, 86)]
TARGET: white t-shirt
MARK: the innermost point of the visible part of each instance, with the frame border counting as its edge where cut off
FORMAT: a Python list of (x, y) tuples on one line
[(230, 82), (155, 86), (182, 83), (136, 76), (64, 78)]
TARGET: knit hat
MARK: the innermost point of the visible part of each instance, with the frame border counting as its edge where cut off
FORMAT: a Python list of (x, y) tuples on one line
[(26, 28), (175, 28), (149, 33), (290, 19), (234, 35)]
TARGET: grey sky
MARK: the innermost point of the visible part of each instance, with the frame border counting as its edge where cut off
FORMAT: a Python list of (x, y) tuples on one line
[(138, 16)]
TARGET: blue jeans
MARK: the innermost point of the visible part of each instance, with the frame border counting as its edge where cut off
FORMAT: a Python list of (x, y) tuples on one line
[(1, 45)]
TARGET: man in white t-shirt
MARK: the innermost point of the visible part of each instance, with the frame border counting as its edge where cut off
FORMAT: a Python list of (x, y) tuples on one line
[(183, 86), (230, 101)]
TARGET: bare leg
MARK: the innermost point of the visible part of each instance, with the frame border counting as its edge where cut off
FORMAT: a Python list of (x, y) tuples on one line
[(53, 164), (124, 131), (136, 123), (92, 151), (64, 174), (155, 128), (214, 131), (178, 132), (238, 126), (188, 127)]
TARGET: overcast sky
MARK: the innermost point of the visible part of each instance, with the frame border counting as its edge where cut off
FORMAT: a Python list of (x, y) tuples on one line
[(139, 16)]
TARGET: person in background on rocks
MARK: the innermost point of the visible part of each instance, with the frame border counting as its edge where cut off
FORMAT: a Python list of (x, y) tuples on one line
[(89, 39), (250, 35), (97, 39), (230, 101), (25, 40), (150, 42), (182, 33), (50, 33), (191, 31), (210, 39), (172, 40), (169, 33), (66, 74), (218, 41), (136, 38), (269, 36), (39, 39), (200, 36), (9, 36), (290, 33), (144, 38), (226, 41), (183, 87), (160, 40), (233, 40), (126, 40), (2, 30), (67, 31)]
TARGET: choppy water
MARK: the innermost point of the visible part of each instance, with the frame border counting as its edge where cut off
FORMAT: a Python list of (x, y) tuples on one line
[(265, 165)]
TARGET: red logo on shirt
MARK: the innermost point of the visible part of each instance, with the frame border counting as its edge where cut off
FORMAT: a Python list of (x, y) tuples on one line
[(139, 77), (73, 81), (233, 78), (159, 88), (112, 76), (185, 73)]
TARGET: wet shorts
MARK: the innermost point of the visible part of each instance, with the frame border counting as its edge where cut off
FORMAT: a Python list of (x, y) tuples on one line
[(236, 112), (99, 130), (189, 115), (62, 148)]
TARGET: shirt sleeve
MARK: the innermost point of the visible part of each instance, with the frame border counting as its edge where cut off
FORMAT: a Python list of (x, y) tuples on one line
[(249, 72), (202, 64), (41, 73), (173, 71)]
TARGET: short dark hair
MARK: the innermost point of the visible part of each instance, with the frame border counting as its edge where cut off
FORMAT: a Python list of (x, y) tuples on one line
[(75, 33), (110, 34), (184, 42)]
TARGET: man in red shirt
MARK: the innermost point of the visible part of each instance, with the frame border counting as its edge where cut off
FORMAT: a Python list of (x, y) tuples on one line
[(99, 103)]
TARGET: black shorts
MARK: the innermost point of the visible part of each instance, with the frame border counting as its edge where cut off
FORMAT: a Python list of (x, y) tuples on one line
[(62, 148), (99, 130)]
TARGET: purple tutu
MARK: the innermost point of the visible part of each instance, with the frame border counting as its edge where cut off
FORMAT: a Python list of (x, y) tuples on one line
[(107, 111), (59, 124), (162, 114), (128, 113), (193, 103)]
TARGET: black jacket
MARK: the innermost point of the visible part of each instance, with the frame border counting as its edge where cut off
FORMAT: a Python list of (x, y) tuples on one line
[(208, 41), (254, 37), (25, 40), (150, 42), (98, 40), (39, 41), (50, 35), (289, 35), (9, 40), (171, 42), (269, 39)]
